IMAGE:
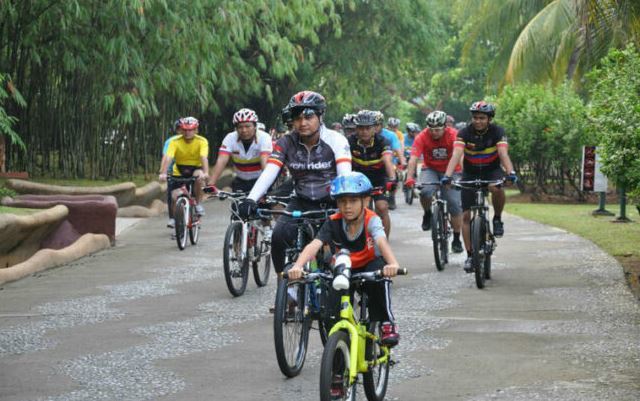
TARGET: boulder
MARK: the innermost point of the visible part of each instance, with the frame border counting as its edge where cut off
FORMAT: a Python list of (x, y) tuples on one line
[(87, 214)]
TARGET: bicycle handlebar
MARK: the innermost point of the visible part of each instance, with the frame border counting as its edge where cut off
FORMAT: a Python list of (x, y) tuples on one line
[(473, 184), (298, 214), (364, 276)]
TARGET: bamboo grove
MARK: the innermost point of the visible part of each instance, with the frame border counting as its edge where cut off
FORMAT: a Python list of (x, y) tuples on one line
[(102, 81)]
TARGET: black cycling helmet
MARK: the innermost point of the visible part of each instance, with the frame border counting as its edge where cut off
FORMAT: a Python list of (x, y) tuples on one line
[(305, 100), (483, 107), (365, 118)]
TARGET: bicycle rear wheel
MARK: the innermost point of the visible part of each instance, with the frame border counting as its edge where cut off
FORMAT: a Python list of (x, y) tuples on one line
[(408, 195), (261, 257), (290, 327), (437, 232), (181, 221), (375, 381), (334, 369), (194, 227), (236, 267), (477, 254)]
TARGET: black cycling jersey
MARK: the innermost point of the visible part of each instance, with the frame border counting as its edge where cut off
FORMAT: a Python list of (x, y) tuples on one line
[(367, 159), (312, 169), (481, 150)]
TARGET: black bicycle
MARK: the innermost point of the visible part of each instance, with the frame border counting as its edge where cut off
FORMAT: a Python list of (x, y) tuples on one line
[(483, 243), (440, 225), (299, 303)]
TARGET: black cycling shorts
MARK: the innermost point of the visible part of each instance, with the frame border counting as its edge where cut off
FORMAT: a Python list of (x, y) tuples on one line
[(468, 195)]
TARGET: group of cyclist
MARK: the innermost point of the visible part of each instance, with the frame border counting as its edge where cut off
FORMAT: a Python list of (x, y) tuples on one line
[(349, 169)]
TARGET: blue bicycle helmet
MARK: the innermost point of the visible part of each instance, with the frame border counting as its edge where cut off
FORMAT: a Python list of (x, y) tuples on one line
[(353, 183)]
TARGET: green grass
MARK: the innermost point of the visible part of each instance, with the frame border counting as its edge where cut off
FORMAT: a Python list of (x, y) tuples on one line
[(18, 210), (139, 180), (617, 239)]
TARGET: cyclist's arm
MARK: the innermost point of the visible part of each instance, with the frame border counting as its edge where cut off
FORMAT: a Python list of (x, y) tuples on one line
[(221, 163), (266, 148), (388, 256), (388, 165), (458, 151), (411, 169), (308, 253), (268, 176), (205, 165), (505, 160)]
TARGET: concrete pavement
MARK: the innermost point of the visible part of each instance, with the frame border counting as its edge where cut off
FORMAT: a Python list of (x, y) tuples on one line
[(145, 321)]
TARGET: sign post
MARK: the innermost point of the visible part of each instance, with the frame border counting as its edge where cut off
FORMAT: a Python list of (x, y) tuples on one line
[(592, 179)]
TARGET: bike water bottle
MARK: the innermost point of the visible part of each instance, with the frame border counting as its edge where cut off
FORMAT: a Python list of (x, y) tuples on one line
[(342, 270)]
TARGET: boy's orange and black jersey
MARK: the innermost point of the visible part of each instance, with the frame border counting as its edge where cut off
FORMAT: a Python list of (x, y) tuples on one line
[(362, 248)]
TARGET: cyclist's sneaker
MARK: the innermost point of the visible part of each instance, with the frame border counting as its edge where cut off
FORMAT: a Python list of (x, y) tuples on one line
[(199, 210), (426, 222), (171, 223), (468, 265), (392, 202), (456, 246), (390, 336), (498, 228)]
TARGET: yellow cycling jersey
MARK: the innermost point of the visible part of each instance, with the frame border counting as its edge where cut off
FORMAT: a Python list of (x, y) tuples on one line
[(188, 154)]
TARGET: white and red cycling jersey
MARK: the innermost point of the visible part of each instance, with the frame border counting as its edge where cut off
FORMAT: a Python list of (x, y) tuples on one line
[(246, 159)]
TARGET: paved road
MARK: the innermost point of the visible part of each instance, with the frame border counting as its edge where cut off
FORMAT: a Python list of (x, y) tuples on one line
[(144, 321)]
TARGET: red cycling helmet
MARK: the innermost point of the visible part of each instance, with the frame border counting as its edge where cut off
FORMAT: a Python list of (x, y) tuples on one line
[(188, 123), (245, 116), (483, 107)]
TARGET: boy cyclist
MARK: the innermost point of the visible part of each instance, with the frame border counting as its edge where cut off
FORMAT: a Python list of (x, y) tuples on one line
[(359, 230)]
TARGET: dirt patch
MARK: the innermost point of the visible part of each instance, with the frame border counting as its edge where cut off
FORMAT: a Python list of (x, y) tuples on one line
[(631, 268)]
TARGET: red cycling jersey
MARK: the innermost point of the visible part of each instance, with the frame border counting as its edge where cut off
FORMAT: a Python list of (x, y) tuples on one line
[(436, 153)]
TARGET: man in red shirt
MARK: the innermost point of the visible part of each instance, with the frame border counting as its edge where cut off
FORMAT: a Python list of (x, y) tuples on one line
[(435, 144)]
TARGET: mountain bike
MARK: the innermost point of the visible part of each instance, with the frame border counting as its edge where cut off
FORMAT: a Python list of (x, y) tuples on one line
[(246, 242), (354, 347), (483, 243), (440, 225), (187, 221), (299, 303)]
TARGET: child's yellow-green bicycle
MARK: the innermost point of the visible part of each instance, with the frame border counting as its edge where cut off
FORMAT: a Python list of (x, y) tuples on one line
[(354, 348)]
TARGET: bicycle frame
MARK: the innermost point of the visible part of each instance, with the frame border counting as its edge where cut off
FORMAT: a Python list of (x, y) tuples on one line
[(358, 330)]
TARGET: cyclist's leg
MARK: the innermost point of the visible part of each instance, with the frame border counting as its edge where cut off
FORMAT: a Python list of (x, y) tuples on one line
[(454, 204), (427, 175), (200, 176), (379, 304), (498, 200), (283, 236), (382, 210)]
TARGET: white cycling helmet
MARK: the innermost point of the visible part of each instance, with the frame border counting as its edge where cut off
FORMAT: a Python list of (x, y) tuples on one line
[(437, 119), (245, 116)]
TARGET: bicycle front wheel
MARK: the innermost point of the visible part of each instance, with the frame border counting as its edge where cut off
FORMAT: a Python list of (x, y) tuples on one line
[(194, 227), (236, 266), (375, 380), (261, 256), (334, 369), (437, 234), (290, 327), (477, 254), (182, 220)]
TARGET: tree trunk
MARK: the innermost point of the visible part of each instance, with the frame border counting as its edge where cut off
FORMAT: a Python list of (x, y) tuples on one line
[(2, 154)]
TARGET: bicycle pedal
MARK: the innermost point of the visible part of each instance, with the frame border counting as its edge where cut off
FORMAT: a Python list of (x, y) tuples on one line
[(392, 362)]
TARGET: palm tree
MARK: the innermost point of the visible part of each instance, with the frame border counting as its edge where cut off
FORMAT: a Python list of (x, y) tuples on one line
[(551, 40)]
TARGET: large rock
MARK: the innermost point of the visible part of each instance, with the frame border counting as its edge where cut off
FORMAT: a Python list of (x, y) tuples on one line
[(94, 214), (125, 193), (48, 258), (22, 236)]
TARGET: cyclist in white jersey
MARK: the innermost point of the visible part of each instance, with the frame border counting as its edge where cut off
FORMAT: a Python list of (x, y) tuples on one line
[(247, 147)]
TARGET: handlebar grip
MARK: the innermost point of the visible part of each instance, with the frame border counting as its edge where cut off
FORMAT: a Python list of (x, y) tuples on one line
[(403, 271)]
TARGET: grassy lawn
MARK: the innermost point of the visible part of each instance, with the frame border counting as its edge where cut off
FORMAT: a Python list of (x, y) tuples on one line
[(618, 239), (18, 210), (139, 180)]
